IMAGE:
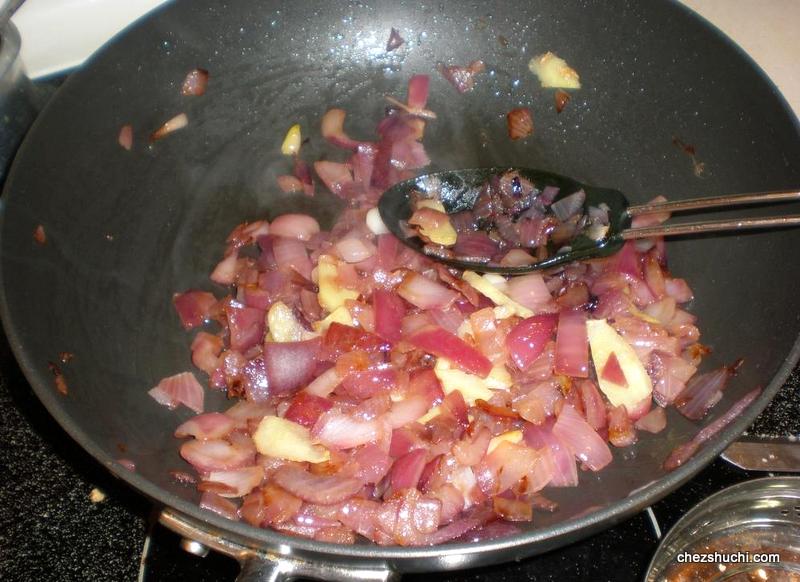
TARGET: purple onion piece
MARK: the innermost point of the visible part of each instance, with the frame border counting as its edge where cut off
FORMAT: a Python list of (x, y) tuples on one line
[(549, 194), (569, 205)]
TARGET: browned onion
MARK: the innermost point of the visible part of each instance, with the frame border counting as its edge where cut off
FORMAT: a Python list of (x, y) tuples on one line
[(178, 122), (195, 82)]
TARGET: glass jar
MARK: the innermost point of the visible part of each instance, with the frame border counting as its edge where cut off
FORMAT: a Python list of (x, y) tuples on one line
[(750, 531)]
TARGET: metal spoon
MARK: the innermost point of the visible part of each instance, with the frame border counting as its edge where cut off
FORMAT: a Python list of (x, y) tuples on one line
[(459, 189)]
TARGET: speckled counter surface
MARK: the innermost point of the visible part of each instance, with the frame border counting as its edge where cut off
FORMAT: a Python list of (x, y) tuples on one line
[(51, 530), (782, 417)]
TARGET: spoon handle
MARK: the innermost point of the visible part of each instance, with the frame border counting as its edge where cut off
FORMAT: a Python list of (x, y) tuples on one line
[(710, 226), (715, 201)]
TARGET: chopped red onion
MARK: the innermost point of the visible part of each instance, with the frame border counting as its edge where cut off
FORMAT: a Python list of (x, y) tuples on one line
[(598, 213), (549, 194), (475, 244), (181, 388), (306, 408), (128, 464), (678, 289), (374, 463), (581, 439), (470, 450), (669, 374), (291, 253), (565, 470), (243, 411), (246, 326), (439, 342), (234, 482), (369, 382), (217, 455), (125, 138), (654, 277), (212, 425), (684, 452), (354, 250), (517, 258), (527, 340), (569, 206), (297, 226), (341, 339), (512, 509), (531, 291), (462, 78), (395, 40), (270, 505), (302, 172), (178, 122), (449, 319), (206, 349), (290, 365), (489, 337), (407, 470), (325, 383), (704, 391), (341, 431), (334, 175), (418, 87), (654, 421), (572, 344), (333, 131), (195, 83), (519, 122), (320, 489), (255, 380), (621, 431), (594, 406), (408, 410), (389, 312), (289, 184), (219, 505), (425, 293), (226, 270), (194, 307)]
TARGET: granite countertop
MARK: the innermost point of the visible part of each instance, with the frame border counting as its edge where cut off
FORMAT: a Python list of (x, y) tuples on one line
[(50, 528)]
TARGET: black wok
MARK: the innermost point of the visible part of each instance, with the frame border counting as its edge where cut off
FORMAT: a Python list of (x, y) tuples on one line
[(127, 229)]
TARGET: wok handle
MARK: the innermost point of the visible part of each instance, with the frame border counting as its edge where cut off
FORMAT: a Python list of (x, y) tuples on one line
[(263, 564), (258, 568)]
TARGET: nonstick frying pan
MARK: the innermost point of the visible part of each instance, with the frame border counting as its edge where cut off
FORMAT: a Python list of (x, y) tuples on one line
[(127, 229)]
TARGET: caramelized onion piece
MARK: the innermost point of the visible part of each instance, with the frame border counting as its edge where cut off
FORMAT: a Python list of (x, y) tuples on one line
[(195, 82), (562, 98), (520, 123), (178, 122)]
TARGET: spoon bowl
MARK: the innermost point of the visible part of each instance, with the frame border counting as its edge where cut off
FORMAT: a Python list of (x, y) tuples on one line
[(458, 190)]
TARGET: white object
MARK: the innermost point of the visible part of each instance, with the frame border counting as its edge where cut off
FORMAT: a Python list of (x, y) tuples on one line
[(60, 34), (375, 222), (767, 31)]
